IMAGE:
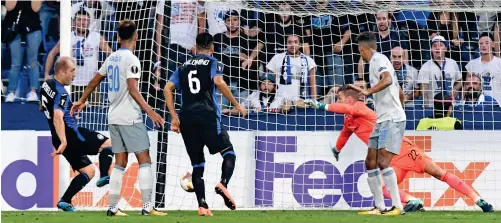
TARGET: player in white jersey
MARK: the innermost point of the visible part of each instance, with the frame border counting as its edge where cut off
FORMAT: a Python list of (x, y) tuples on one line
[(387, 135), (487, 67), (126, 127)]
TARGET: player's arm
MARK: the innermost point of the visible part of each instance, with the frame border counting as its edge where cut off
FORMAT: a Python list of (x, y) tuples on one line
[(169, 96), (216, 71), (384, 81), (59, 125), (96, 80), (401, 95), (50, 60), (340, 108)]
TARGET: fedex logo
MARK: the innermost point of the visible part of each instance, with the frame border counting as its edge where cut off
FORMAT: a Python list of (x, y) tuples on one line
[(46, 188), (339, 184)]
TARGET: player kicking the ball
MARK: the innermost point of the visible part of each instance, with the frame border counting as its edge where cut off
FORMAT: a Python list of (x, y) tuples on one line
[(72, 141), (386, 138), (200, 117), (360, 120), (127, 130)]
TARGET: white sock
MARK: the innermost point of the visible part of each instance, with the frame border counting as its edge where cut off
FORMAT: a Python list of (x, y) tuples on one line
[(390, 180), (115, 186), (146, 185), (376, 186)]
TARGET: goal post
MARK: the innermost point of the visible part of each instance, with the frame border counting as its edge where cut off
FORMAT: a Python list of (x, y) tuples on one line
[(284, 159)]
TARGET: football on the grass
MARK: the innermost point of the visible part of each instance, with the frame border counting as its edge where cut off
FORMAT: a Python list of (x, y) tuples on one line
[(186, 183)]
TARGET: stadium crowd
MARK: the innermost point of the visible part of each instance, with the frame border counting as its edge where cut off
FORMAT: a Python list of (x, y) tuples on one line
[(445, 61)]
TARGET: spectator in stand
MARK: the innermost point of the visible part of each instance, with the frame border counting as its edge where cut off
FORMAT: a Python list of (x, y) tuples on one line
[(98, 10), (186, 20), (47, 12), (488, 20), (22, 21), (294, 70), (86, 44), (488, 67), (235, 50), (406, 74), (474, 97), (215, 17), (388, 38), (440, 77), (266, 99), (276, 30), (446, 24), (329, 35)]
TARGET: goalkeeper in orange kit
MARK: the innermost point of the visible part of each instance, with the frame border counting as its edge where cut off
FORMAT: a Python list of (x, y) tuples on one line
[(360, 119)]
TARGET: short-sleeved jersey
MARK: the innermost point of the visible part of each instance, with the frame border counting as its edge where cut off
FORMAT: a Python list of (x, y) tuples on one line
[(54, 96), (433, 74), (490, 72), (195, 81), (386, 102), (118, 67)]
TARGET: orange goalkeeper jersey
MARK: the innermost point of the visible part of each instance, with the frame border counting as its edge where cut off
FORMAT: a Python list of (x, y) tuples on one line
[(358, 119)]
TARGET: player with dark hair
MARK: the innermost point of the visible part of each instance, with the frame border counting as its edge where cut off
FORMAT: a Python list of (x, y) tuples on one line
[(200, 117), (127, 130), (387, 135), (71, 140), (360, 119)]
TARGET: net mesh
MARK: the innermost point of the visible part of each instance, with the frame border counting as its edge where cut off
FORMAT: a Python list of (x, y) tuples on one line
[(283, 154)]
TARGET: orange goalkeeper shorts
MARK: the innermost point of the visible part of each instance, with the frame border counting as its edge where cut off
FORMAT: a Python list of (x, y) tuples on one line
[(411, 158)]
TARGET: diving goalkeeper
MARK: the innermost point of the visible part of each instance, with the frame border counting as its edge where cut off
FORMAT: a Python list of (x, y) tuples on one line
[(360, 119)]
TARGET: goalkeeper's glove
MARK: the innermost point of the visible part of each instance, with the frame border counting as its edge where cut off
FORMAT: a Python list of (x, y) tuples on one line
[(335, 152), (315, 104)]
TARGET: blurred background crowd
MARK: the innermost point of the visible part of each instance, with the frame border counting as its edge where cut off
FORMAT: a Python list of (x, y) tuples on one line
[(447, 62)]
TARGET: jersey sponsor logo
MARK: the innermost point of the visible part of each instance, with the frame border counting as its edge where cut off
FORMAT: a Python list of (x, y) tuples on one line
[(134, 69), (48, 90)]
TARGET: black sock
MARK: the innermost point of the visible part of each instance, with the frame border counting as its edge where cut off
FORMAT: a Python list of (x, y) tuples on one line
[(227, 167), (105, 159), (76, 185), (199, 185)]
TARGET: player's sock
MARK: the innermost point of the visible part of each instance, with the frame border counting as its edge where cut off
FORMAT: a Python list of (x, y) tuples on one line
[(146, 185), (460, 186), (390, 180), (105, 159), (404, 197), (76, 185), (376, 184), (198, 184), (115, 186), (228, 166)]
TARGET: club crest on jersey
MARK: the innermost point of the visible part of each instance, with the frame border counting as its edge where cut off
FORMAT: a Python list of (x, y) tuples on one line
[(219, 67), (134, 69)]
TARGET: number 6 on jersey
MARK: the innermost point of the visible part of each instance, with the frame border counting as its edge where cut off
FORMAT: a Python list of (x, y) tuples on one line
[(193, 82)]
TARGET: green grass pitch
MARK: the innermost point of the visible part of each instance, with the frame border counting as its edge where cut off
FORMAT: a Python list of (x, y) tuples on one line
[(252, 216)]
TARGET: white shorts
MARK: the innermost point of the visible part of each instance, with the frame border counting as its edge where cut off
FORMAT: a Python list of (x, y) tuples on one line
[(129, 138), (387, 135)]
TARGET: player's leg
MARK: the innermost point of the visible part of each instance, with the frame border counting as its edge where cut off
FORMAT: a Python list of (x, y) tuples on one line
[(374, 174), (411, 203), (105, 160), (192, 137), (136, 140), (218, 141), (121, 159), (389, 144), (97, 143), (84, 166), (453, 181)]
